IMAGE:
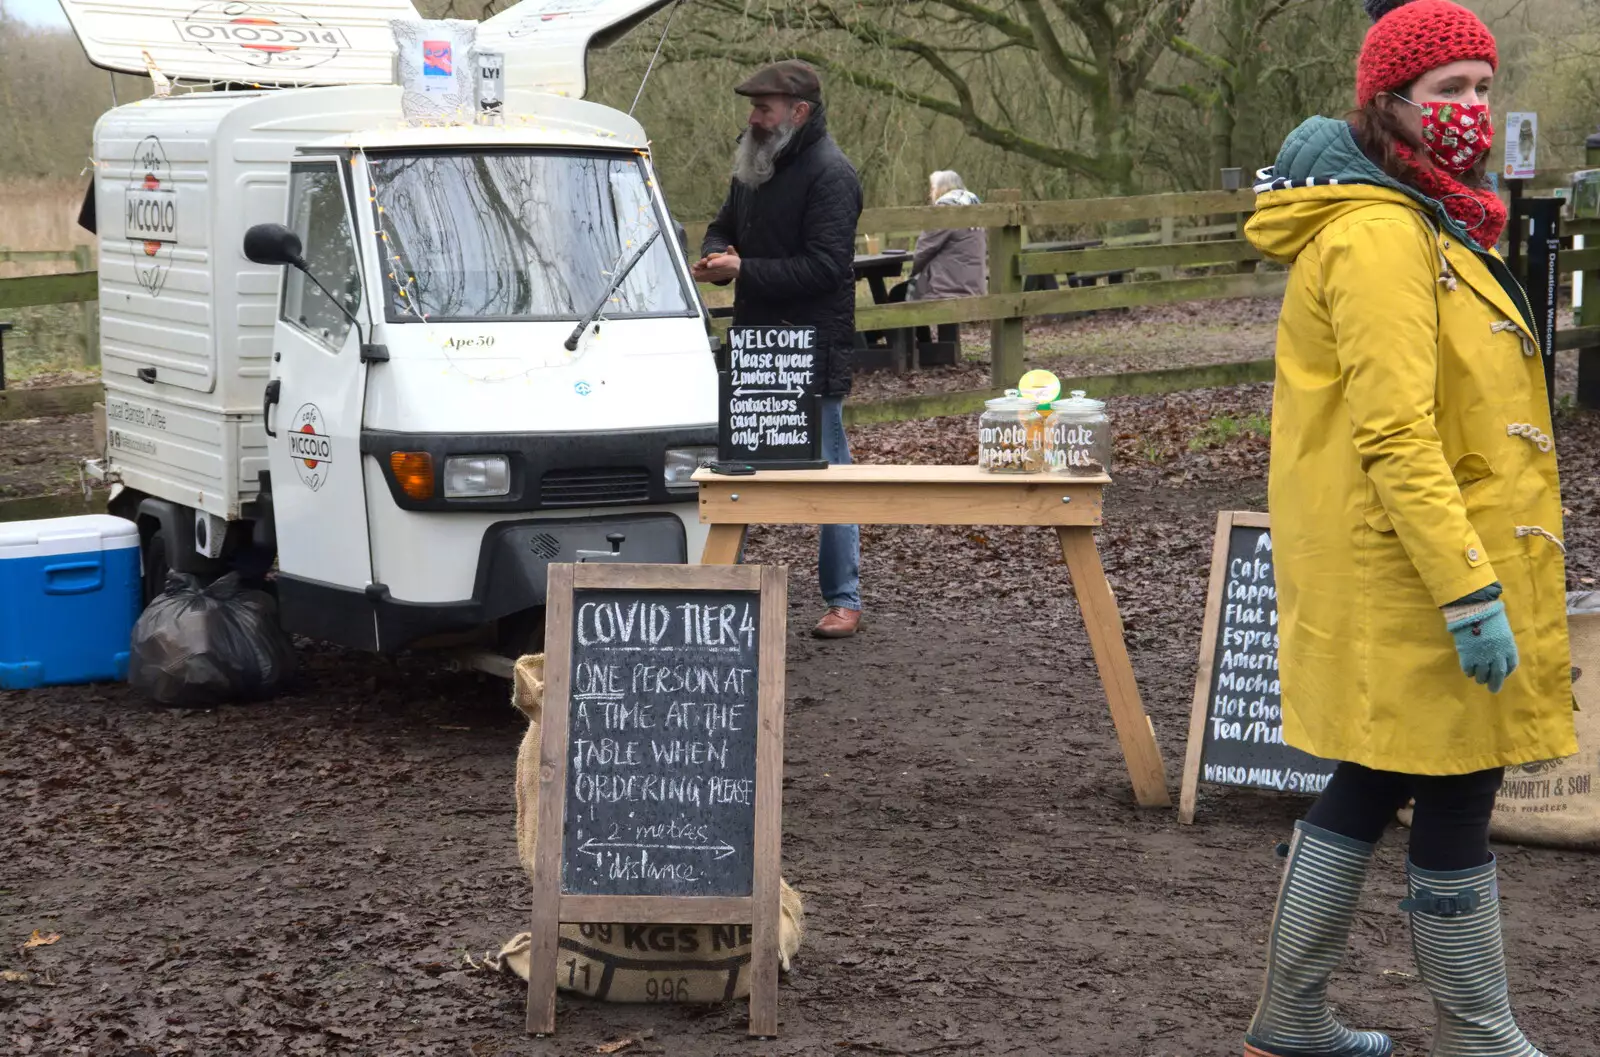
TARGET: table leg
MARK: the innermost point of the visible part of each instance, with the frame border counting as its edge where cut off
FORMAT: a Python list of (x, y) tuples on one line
[(1104, 624), (880, 291), (724, 545), (901, 344)]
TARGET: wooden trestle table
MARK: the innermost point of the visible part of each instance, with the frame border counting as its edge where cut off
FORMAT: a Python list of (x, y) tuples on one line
[(955, 495)]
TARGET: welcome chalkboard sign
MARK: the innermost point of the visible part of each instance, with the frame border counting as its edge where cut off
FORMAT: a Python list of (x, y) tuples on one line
[(661, 760), (1236, 727), (769, 412)]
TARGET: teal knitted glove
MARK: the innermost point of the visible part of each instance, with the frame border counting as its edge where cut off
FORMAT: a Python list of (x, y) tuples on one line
[(1484, 642)]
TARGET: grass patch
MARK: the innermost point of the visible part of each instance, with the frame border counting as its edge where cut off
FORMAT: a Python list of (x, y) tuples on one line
[(1224, 428), (45, 340)]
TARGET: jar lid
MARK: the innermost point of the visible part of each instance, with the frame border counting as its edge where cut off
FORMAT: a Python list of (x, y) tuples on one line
[(1012, 401), (1079, 404)]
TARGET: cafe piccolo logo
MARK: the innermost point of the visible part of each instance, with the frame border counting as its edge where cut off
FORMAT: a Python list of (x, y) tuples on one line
[(548, 15), (270, 36), (310, 447), (150, 219)]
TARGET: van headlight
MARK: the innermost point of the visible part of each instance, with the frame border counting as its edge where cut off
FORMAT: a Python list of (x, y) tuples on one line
[(681, 464), (468, 476)]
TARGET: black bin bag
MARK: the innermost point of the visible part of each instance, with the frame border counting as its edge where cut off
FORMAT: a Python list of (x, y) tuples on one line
[(200, 645)]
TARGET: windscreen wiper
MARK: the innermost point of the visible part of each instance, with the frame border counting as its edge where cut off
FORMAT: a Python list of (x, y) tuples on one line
[(616, 281)]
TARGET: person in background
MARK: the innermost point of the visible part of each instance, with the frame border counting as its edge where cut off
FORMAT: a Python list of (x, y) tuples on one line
[(785, 237), (1416, 529), (948, 262)]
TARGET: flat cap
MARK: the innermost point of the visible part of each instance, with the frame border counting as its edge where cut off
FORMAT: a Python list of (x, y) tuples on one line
[(788, 77)]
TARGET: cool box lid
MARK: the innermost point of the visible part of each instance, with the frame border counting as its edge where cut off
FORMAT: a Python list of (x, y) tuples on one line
[(66, 535)]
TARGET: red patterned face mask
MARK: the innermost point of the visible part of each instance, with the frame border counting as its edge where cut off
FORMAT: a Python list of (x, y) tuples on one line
[(1456, 136)]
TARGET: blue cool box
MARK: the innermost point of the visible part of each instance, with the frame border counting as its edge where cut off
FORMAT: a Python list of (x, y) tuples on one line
[(69, 594)]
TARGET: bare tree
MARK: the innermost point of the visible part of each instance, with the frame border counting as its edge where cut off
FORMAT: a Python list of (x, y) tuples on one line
[(1248, 65), (976, 63)]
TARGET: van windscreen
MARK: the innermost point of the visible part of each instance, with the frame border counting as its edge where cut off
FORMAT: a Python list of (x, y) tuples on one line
[(518, 236)]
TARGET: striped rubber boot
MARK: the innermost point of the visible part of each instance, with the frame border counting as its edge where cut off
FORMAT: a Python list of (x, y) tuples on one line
[(1310, 933), (1455, 934)]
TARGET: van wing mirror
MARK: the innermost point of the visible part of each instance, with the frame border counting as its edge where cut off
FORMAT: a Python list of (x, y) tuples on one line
[(273, 244)]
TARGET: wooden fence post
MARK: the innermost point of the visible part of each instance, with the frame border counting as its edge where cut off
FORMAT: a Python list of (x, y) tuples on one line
[(83, 261), (1240, 220), (1006, 335)]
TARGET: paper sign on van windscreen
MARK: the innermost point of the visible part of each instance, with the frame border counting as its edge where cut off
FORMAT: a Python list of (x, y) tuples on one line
[(275, 42)]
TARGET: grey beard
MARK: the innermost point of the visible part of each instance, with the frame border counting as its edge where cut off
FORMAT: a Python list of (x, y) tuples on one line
[(755, 160)]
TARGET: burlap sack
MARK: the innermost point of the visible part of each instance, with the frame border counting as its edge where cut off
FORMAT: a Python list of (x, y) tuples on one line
[(1557, 802), (632, 963)]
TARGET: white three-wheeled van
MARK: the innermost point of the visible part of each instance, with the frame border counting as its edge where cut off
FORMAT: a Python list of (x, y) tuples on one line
[(485, 354)]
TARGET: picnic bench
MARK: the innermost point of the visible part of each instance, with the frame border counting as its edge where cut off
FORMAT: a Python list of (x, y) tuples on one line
[(1075, 280), (898, 349)]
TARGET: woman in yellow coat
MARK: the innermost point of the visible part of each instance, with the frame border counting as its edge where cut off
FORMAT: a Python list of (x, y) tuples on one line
[(1416, 522)]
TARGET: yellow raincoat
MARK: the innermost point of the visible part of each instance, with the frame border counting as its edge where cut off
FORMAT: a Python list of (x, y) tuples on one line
[(1412, 464)]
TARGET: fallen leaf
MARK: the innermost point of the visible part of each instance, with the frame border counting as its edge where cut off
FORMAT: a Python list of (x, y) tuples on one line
[(40, 939), (13, 976), (614, 1047)]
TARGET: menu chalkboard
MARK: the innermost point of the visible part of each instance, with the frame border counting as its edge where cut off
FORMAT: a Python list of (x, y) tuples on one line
[(661, 736), (1236, 728), (769, 413), (660, 792)]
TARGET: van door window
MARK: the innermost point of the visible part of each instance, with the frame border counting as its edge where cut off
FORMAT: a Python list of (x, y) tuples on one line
[(318, 215)]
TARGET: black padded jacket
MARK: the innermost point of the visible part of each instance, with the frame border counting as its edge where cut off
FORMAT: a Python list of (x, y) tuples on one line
[(796, 238)]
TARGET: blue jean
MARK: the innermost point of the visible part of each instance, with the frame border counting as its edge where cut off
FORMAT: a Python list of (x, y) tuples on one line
[(839, 550)]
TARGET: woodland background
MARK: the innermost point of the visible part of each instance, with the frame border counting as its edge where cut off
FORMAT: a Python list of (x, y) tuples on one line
[(1058, 98)]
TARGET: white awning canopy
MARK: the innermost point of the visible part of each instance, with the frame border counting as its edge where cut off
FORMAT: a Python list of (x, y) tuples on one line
[(273, 42), (331, 42), (546, 42)]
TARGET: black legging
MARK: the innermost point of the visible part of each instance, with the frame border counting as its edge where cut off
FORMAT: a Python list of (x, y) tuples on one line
[(1449, 828)]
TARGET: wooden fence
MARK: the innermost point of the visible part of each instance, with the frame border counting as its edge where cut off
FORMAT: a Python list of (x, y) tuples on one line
[(80, 287), (1214, 246), (1232, 264)]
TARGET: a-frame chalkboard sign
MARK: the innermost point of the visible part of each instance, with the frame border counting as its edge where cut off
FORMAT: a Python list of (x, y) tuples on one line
[(1236, 726), (661, 761)]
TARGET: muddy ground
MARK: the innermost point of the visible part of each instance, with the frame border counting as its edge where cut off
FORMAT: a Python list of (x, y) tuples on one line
[(323, 873), (40, 456)]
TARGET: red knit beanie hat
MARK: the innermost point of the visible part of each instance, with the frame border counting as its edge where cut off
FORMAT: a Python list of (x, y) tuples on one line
[(1410, 37)]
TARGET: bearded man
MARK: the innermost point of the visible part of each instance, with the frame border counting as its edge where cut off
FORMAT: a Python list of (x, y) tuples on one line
[(785, 237)]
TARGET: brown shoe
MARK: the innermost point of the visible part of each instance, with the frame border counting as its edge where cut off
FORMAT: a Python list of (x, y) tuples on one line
[(838, 623)]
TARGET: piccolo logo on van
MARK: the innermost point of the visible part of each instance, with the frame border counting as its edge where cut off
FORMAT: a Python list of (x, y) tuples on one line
[(262, 35), (551, 11), (310, 447), (150, 217)]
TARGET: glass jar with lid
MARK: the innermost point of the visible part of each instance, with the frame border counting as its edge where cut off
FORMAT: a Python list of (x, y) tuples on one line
[(1011, 435), (1078, 437)]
